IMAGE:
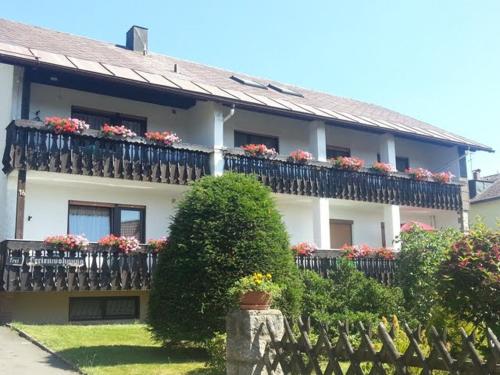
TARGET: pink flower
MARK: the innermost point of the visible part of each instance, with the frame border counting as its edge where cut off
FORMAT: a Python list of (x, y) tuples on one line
[(442, 177), (166, 138), (304, 248), (67, 242), (419, 174), (66, 125), (259, 150), (383, 168), (348, 163), (117, 130), (300, 156)]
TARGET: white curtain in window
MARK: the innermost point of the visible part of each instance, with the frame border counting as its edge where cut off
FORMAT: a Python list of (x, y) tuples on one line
[(93, 222)]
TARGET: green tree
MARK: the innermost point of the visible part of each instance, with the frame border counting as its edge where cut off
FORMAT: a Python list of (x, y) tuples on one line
[(418, 263), (225, 228), (470, 278)]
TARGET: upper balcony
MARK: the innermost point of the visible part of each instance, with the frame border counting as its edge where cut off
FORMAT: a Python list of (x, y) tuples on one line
[(31, 146), (319, 179)]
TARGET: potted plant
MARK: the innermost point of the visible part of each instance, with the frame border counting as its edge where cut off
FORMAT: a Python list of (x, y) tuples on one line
[(67, 242), (382, 168), (121, 244), (304, 248), (419, 174), (165, 138), (300, 156), (347, 163), (260, 150), (117, 131), (255, 292), (442, 177), (61, 125), (157, 245)]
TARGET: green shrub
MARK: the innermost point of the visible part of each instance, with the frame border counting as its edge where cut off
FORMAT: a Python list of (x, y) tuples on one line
[(417, 265), (225, 228), (348, 294), (216, 350), (470, 277)]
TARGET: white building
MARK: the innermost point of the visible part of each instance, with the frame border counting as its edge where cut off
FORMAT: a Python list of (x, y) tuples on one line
[(56, 184)]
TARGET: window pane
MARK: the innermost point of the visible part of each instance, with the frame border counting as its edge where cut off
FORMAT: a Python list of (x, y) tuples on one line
[(402, 164), (120, 308), (135, 125), (131, 223), (341, 234), (85, 309), (96, 121), (241, 139), (93, 222), (335, 152)]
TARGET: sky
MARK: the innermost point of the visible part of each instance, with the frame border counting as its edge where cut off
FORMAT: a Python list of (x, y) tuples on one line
[(437, 61)]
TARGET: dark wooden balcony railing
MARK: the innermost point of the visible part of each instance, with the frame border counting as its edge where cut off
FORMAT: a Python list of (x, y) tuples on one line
[(321, 180), (32, 266), (383, 270), (31, 146)]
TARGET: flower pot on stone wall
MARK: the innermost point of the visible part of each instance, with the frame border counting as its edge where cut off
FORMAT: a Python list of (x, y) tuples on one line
[(255, 301)]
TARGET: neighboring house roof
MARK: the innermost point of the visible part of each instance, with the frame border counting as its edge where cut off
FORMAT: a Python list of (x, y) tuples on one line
[(490, 193), (492, 177), (34, 45)]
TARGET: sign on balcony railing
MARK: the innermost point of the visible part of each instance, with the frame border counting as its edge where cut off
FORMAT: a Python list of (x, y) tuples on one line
[(32, 266), (324, 181), (31, 146)]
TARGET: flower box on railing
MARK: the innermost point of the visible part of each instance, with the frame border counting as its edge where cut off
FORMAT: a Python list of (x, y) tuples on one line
[(30, 145), (37, 266), (320, 179)]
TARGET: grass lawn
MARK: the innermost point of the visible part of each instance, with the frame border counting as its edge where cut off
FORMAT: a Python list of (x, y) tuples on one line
[(125, 349)]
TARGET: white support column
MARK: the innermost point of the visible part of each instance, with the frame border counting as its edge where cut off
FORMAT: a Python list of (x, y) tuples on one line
[(392, 217), (387, 149), (321, 222), (392, 223), (317, 140)]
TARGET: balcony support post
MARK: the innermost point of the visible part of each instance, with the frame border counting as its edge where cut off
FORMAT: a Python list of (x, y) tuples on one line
[(392, 225), (317, 140), (387, 149), (321, 222), (20, 203)]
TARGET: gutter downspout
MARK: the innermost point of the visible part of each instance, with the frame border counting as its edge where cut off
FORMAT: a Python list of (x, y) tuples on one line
[(230, 114)]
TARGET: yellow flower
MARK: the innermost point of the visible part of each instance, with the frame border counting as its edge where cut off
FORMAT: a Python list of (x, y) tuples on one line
[(269, 277)]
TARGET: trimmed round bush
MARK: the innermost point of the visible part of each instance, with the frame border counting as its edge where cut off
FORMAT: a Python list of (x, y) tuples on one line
[(225, 228)]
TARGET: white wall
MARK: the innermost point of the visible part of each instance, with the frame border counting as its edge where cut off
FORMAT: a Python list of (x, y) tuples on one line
[(433, 157), (293, 134), (487, 211), (438, 219), (362, 145), (297, 215), (47, 196), (55, 101), (6, 95), (366, 219)]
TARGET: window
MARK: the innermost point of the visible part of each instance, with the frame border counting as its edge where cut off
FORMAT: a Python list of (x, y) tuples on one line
[(248, 82), (284, 90), (96, 220), (241, 139), (402, 164), (333, 152), (96, 119), (340, 233), (103, 308)]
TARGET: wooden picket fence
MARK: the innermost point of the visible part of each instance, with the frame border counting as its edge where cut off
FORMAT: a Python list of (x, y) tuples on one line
[(376, 352)]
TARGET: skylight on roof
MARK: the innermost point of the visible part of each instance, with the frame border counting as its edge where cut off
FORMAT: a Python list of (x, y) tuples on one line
[(284, 90), (248, 82)]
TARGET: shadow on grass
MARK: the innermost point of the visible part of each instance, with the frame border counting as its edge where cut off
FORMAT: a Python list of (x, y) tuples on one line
[(111, 355)]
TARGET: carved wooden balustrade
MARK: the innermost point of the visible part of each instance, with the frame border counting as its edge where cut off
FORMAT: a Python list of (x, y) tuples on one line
[(33, 266), (321, 180), (31, 146)]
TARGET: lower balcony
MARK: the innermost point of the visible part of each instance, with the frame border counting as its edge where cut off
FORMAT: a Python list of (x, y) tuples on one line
[(32, 266), (318, 179), (30, 146)]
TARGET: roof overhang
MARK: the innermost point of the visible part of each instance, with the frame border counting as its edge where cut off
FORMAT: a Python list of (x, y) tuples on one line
[(23, 56)]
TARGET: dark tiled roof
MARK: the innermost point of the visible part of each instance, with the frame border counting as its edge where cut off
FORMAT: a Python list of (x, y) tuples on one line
[(26, 42), (492, 192)]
